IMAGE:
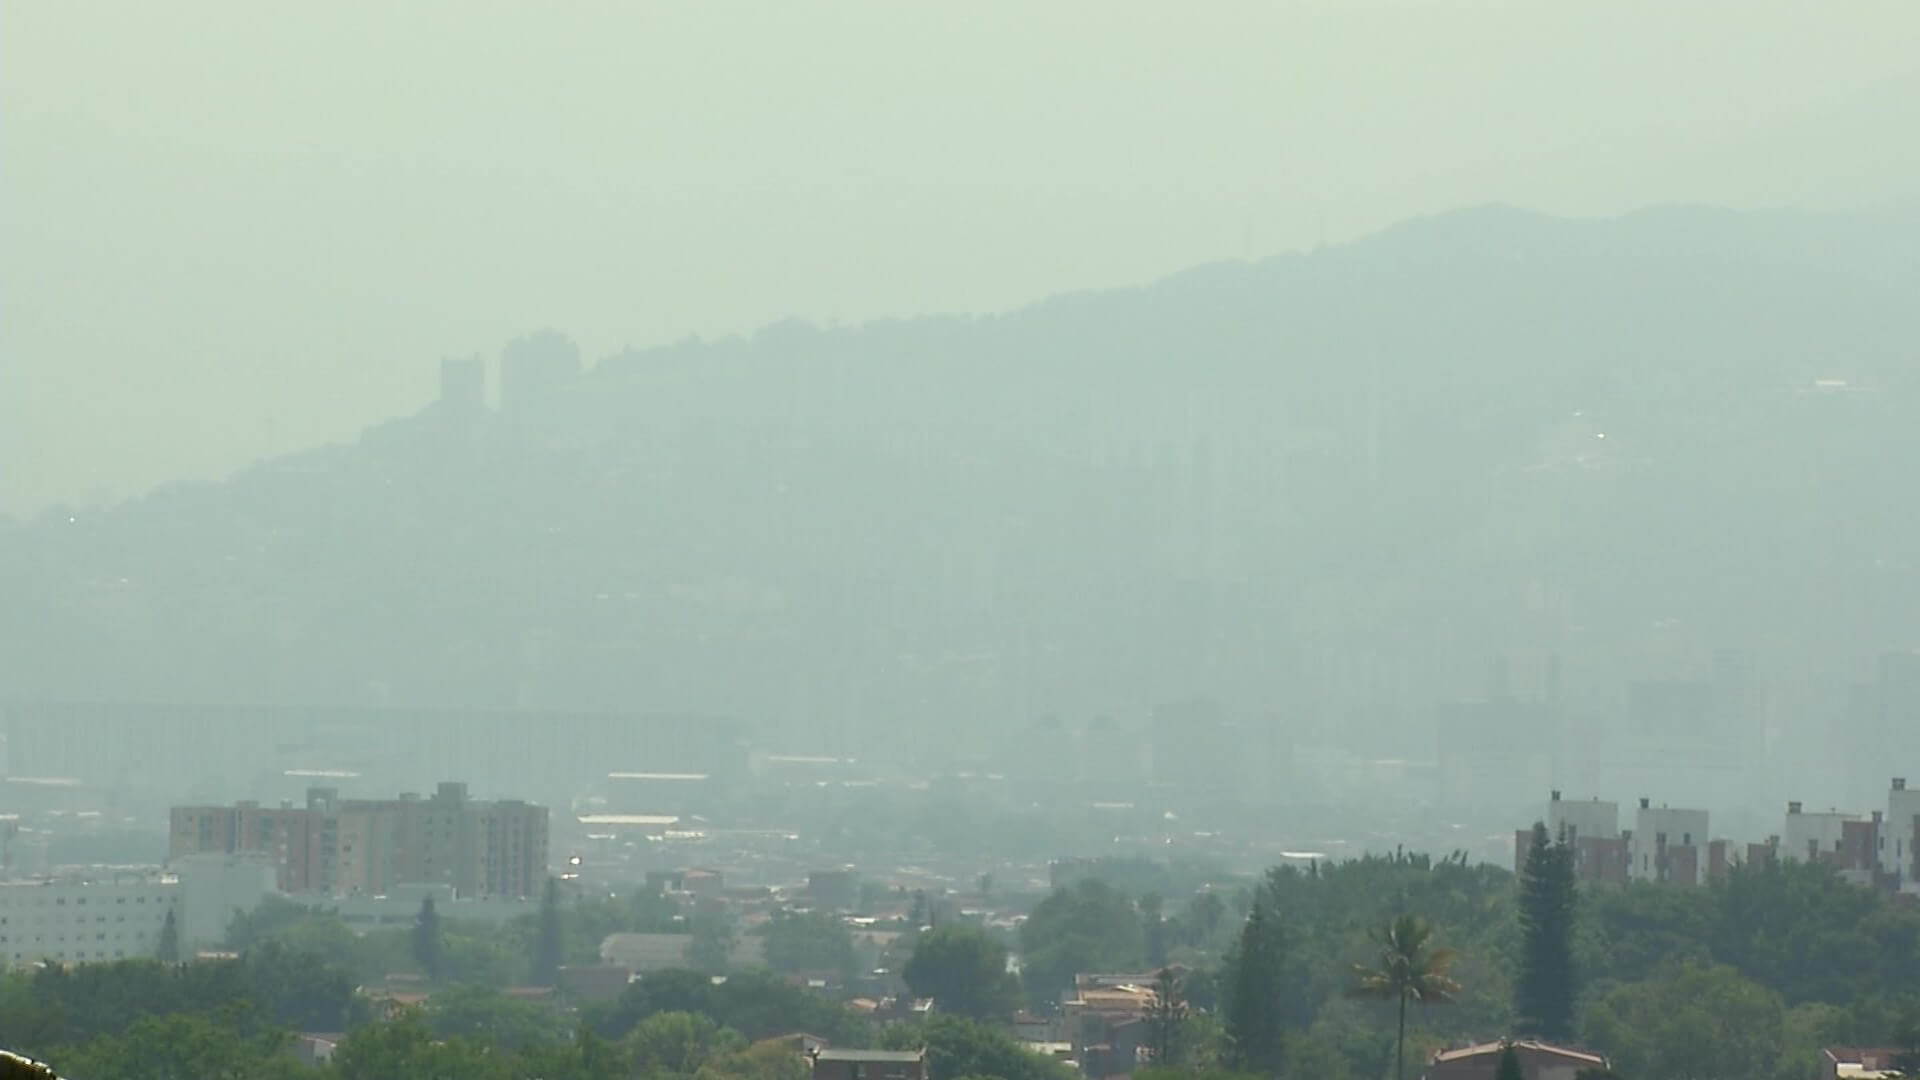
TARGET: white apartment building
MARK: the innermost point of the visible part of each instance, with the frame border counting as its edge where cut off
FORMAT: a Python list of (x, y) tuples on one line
[(1570, 820), (213, 887), (1809, 835), (99, 917), (82, 920), (1900, 835), (1664, 836)]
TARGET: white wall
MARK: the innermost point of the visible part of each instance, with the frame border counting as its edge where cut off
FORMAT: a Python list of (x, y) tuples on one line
[(74, 922), (1682, 828), (1585, 817), (1821, 831), (215, 886), (1897, 854)]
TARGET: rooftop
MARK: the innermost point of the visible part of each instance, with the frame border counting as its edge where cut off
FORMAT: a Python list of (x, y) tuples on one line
[(896, 1056), (1480, 1049)]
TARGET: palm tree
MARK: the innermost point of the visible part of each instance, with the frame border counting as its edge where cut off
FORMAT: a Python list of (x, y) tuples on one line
[(1410, 970)]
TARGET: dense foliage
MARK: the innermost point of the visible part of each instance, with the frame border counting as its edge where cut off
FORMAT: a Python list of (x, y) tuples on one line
[(1745, 978), (963, 970)]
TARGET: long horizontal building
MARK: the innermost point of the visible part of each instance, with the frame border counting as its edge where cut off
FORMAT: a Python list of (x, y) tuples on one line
[(114, 913), (371, 847)]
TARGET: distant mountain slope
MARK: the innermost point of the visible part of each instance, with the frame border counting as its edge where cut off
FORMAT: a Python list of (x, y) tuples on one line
[(1297, 484)]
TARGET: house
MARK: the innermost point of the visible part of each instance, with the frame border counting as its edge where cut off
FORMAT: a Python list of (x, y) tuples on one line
[(1538, 1061), (594, 982), (1859, 1063), (647, 953), (315, 1048), (1104, 1020), (839, 1064), (800, 1042)]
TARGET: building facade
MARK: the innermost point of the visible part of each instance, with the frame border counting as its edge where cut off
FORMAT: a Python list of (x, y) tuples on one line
[(1668, 845), (85, 921), (1899, 840), (1591, 829), (345, 847)]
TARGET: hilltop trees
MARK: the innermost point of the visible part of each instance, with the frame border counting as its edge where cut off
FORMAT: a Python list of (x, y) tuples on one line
[(1544, 992)]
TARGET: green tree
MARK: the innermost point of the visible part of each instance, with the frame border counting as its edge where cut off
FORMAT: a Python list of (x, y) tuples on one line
[(179, 1046), (548, 946), (405, 1046), (1509, 1067), (1689, 1022), (761, 1061), (1409, 969), (958, 1047), (1158, 929), (964, 971), (1088, 927), (809, 941), (1205, 913), (426, 940), (169, 949), (1256, 1010), (1167, 1019), (678, 1043), (1544, 993), (466, 1010), (711, 949)]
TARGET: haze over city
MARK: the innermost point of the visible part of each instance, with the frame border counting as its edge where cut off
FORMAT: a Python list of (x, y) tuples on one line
[(874, 542), (237, 231)]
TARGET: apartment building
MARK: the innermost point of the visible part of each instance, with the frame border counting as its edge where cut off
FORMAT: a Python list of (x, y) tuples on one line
[(371, 847), (1671, 845), (1899, 840), (77, 920)]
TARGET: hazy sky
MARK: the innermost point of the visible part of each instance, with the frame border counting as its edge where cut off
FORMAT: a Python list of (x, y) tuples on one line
[(233, 229)]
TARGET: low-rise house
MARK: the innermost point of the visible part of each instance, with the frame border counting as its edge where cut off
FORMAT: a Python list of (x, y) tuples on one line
[(594, 982), (1860, 1063), (800, 1042), (315, 1048), (1538, 1061), (647, 953), (839, 1064)]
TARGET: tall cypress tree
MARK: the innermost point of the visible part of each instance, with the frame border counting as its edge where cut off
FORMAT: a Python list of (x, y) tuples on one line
[(1167, 1020), (169, 948), (547, 946), (1544, 992), (1255, 993), (426, 940)]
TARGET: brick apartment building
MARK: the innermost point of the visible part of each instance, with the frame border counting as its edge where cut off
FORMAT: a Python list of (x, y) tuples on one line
[(1665, 845), (1672, 845), (370, 846)]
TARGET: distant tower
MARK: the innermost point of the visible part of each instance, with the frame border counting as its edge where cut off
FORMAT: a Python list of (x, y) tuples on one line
[(463, 384), (533, 369)]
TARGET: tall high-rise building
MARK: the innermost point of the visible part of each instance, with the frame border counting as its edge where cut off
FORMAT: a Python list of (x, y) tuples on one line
[(370, 846)]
